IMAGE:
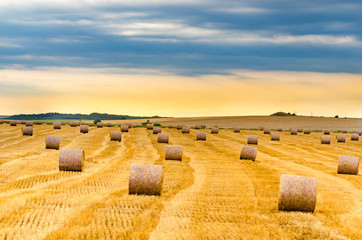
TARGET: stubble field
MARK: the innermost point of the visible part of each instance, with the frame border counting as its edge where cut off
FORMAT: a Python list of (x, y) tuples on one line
[(210, 194)]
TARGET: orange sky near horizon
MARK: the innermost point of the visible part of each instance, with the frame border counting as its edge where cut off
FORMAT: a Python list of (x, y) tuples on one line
[(149, 92)]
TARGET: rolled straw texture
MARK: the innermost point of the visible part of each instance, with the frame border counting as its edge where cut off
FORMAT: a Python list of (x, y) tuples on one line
[(252, 139), (348, 165), (162, 138), (248, 152), (71, 159), (173, 152), (52, 142), (145, 179)]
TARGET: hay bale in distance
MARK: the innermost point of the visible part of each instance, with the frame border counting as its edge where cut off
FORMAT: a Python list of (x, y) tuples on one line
[(359, 132), (124, 128), (170, 126), (348, 165), (157, 130), (73, 124), (354, 137), (197, 126), (261, 128), (99, 125), (275, 136), (297, 193), (38, 122), (71, 160), (236, 129), (149, 126), (27, 131), (83, 123), (306, 131), (1, 121), (57, 125), (280, 129), (215, 130), (83, 128), (344, 131), (13, 123), (253, 139), (300, 130), (52, 142), (248, 152), (293, 132), (109, 124), (173, 152), (200, 136), (266, 130), (162, 137), (29, 123), (91, 124), (186, 129), (341, 138), (327, 132), (325, 140), (145, 179), (116, 136), (179, 127)]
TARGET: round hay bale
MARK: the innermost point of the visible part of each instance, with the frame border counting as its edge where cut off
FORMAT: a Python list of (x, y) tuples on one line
[(173, 152), (1, 121), (83, 128), (116, 136), (344, 131), (297, 193), (71, 159), (300, 130), (348, 165), (13, 123), (162, 138), (129, 125), (27, 131), (248, 152), (73, 124), (280, 129), (327, 132), (236, 129), (341, 138), (200, 136), (99, 125), (325, 140), (145, 179), (38, 122), (293, 132), (197, 126), (134, 125), (170, 126), (52, 142), (252, 139), (186, 129), (319, 130), (124, 128), (179, 127), (57, 125), (22, 122), (29, 124), (354, 137), (215, 130), (306, 131), (149, 126), (157, 130), (261, 128), (275, 136), (83, 123), (266, 131), (359, 132), (91, 124), (109, 124)]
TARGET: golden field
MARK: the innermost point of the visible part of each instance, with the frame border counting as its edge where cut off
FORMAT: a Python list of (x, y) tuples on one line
[(210, 194)]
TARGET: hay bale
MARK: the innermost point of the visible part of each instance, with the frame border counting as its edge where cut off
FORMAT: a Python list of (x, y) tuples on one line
[(200, 136), (236, 129), (57, 125), (22, 122), (99, 125), (38, 122), (186, 129), (354, 137), (173, 152), (83, 128), (124, 128), (170, 126), (91, 124), (252, 139), (13, 123), (319, 130), (197, 126), (266, 131), (162, 138), (179, 127), (359, 132), (280, 129), (325, 140), (27, 131), (129, 125), (327, 132), (1, 121), (29, 124), (248, 152), (52, 142), (293, 132), (134, 125), (157, 130), (306, 131), (300, 130), (215, 130), (275, 136), (297, 193), (73, 124), (341, 138), (261, 128), (344, 131), (109, 124), (71, 159), (149, 126), (145, 179), (116, 136), (348, 165), (83, 123)]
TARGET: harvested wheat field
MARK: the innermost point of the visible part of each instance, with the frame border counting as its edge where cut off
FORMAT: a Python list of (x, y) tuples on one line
[(210, 194)]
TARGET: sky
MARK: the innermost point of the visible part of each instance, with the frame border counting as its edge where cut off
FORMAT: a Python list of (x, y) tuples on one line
[(181, 58)]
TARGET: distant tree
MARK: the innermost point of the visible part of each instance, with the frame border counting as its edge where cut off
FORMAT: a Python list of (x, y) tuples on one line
[(293, 114), (96, 121), (336, 116)]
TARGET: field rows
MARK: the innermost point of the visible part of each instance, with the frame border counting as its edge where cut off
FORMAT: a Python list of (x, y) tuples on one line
[(211, 194)]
